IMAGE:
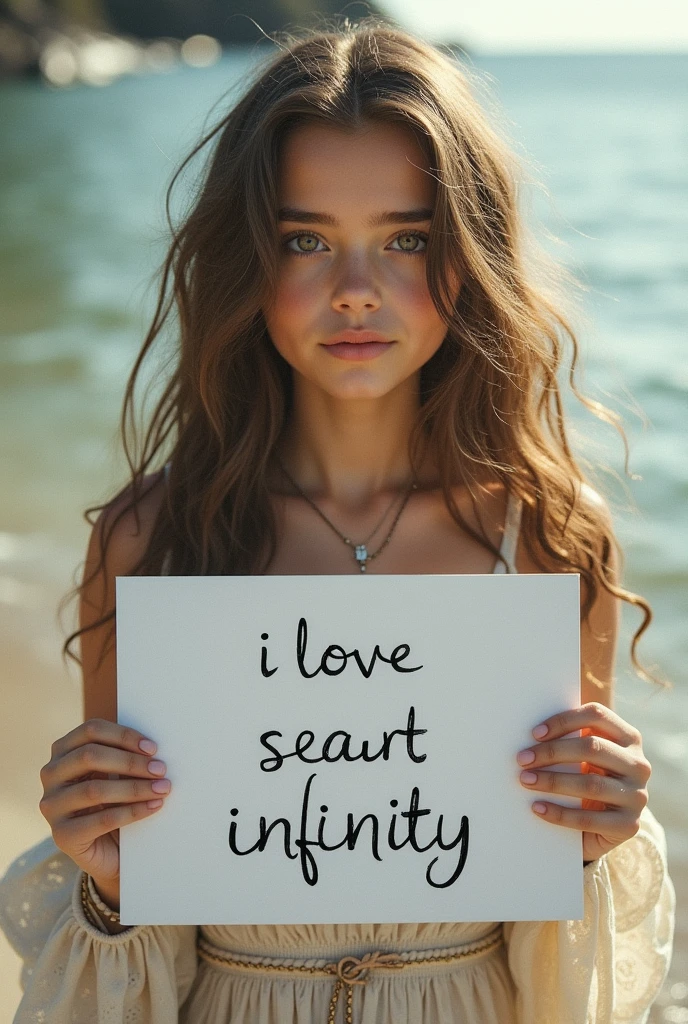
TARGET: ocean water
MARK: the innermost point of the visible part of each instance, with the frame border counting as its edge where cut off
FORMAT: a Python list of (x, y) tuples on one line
[(82, 177)]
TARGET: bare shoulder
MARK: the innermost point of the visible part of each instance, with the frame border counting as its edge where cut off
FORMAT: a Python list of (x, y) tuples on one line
[(599, 630), (596, 509), (122, 531), (118, 541)]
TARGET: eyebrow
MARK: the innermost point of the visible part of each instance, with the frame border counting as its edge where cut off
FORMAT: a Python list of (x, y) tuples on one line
[(292, 213)]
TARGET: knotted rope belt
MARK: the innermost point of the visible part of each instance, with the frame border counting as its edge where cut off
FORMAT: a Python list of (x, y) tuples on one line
[(350, 970)]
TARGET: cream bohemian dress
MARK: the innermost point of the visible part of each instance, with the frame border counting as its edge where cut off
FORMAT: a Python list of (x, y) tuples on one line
[(605, 969)]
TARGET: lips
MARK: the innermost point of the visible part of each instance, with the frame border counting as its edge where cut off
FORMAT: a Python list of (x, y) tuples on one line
[(354, 337), (358, 345)]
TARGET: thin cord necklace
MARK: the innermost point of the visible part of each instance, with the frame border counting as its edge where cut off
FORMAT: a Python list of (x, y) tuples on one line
[(360, 552)]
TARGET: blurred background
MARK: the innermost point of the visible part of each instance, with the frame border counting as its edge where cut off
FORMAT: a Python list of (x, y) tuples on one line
[(99, 99)]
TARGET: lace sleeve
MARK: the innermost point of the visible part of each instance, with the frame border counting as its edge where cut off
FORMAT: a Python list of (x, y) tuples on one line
[(73, 973), (609, 967)]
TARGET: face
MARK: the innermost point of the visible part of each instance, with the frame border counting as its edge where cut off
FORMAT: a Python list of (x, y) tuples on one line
[(352, 313)]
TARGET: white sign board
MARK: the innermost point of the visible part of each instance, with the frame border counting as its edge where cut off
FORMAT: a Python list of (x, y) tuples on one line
[(342, 748)]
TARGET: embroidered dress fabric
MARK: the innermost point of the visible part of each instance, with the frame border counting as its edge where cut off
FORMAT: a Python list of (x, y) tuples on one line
[(605, 969)]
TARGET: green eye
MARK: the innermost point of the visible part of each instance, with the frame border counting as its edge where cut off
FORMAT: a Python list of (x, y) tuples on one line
[(305, 243), (411, 242)]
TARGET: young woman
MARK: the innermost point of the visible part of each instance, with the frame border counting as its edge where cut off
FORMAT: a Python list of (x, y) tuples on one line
[(367, 380)]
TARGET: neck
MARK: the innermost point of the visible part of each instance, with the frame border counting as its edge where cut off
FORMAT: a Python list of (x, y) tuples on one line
[(351, 450)]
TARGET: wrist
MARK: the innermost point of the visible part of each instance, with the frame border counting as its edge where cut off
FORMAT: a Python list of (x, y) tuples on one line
[(100, 903), (108, 892)]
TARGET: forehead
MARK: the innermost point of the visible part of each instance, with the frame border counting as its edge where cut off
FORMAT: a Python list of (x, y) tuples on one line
[(381, 166)]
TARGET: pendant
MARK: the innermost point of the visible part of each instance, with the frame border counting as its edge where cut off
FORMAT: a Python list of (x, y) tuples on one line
[(361, 556)]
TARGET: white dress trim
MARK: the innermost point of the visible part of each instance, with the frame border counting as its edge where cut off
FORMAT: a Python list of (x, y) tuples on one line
[(512, 526)]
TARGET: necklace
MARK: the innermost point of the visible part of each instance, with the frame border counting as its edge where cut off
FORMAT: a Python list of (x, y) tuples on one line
[(361, 553)]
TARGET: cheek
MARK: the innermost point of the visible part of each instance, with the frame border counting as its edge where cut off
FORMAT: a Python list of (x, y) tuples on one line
[(421, 314), (293, 308), (293, 297), (406, 284)]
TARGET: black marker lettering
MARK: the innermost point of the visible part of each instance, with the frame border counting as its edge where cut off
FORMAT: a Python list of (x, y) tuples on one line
[(301, 644), (396, 657), (461, 837), (336, 653), (267, 672), (271, 764), (337, 746), (352, 837), (335, 659)]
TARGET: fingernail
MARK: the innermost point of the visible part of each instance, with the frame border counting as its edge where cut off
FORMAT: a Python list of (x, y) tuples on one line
[(528, 777), (539, 731), (162, 786), (152, 804), (147, 746), (539, 808), (525, 757), (157, 767)]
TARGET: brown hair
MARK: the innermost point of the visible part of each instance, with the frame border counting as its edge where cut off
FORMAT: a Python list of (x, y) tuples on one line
[(491, 404)]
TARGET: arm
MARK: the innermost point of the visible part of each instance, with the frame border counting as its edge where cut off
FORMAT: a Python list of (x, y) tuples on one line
[(128, 542), (73, 971), (612, 784), (609, 967)]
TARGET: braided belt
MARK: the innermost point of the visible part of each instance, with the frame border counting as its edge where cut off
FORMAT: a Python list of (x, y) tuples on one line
[(351, 970)]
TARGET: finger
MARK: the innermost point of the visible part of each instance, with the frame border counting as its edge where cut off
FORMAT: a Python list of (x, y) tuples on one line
[(99, 730), (93, 757), (602, 720), (68, 800), (601, 788), (608, 823), (77, 834), (596, 750)]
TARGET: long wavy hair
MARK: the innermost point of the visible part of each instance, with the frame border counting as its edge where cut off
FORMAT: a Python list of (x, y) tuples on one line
[(491, 403)]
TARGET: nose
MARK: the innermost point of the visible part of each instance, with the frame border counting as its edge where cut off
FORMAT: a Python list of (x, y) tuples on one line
[(355, 289)]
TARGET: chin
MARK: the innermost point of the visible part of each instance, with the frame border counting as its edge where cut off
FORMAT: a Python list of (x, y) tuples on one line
[(350, 390)]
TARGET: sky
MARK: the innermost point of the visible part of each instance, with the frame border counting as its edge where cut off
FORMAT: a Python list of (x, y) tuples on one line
[(493, 26)]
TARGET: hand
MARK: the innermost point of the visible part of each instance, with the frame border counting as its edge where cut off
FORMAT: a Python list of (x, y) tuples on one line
[(613, 780), (85, 809)]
